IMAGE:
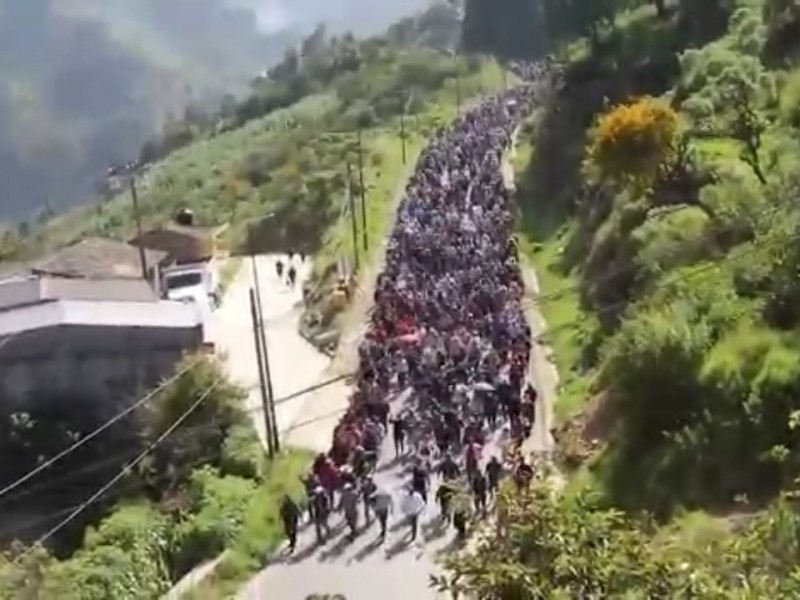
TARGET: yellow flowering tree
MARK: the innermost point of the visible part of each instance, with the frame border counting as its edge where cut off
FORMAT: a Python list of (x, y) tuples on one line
[(631, 142)]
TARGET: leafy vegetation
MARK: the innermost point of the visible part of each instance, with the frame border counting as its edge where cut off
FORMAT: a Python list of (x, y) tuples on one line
[(192, 498), (658, 191), (273, 165), (546, 546)]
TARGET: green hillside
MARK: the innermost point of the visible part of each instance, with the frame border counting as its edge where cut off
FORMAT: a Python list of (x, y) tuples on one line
[(274, 170), (658, 190)]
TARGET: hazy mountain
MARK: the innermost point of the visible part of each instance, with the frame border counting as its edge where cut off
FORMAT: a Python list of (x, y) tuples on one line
[(84, 82), (362, 17)]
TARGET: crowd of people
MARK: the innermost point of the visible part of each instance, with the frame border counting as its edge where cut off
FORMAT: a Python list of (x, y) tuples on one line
[(443, 366)]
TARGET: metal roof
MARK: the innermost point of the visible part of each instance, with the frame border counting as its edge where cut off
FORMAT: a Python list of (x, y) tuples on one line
[(96, 258)]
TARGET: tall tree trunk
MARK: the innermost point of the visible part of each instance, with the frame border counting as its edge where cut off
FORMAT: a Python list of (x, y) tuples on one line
[(661, 8)]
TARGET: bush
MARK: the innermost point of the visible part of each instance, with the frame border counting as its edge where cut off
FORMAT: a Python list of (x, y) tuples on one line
[(242, 453), (548, 546), (200, 438), (632, 141), (218, 508), (122, 558), (261, 529)]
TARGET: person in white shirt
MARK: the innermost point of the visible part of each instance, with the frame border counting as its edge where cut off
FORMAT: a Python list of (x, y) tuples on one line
[(412, 506)]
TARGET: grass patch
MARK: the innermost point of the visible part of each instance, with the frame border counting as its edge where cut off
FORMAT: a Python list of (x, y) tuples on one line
[(542, 236), (228, 272), (566, 325), (262, 531)]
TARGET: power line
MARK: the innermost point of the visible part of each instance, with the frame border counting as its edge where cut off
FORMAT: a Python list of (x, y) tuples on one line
[(98, 465), (47, 464), (34, 522), (331, 381), (123, 473)]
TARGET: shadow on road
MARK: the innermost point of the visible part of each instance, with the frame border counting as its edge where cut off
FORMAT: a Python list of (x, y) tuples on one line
[(434, 529), (337, 549), (398, 547), (367, 550)]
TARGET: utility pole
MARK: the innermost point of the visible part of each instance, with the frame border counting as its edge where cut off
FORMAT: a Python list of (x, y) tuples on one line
[(361, 187), (352, 202), (137, 216), (458, 88), (403, 135), (261, 377), (269, 408)]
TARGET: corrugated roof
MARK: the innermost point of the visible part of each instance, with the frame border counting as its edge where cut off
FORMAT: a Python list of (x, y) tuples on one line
[(96, 258)]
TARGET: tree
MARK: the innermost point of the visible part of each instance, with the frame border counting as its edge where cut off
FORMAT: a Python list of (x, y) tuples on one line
[(747, 126), (545, 546), (201, 437), (632, 142)]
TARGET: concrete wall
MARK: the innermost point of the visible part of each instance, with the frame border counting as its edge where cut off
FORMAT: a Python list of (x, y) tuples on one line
[(113, 365)]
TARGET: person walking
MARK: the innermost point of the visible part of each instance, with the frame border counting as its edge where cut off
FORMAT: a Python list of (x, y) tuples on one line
[(322, 513), (494, 471), (292, 274), (368, 489), (412, 507), (382, 506), (349, 505), (420, 479), (290, 515), (444, 496), (399, 434), (448, 468), (479, 492)]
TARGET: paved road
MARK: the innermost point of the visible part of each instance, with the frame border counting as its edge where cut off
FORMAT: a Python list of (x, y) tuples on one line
[(364, 569), (295, 364)]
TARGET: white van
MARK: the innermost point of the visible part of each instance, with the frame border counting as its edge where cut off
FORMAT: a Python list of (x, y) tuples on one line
[(195, 282)]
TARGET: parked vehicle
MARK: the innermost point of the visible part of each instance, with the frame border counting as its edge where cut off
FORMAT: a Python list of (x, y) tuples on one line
[(197, 282)]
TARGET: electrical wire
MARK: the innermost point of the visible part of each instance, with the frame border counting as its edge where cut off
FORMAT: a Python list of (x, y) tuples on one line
[(122, 474), (50, 462), (30, 524), (333, 380)]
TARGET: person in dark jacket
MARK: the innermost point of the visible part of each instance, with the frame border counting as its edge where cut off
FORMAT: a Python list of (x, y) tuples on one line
[(290, 515), (322, 513), (399, 434)]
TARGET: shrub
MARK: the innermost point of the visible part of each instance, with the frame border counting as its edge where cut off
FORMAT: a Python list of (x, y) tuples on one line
[(548, 546), (632, 141), (242, 453), (219, 507), (789, 101), (124, 557)]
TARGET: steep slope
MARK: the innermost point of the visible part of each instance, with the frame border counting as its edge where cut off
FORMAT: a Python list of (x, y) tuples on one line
[(83, 87)]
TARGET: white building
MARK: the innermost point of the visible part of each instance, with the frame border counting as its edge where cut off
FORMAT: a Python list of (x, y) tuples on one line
[(108, 338)]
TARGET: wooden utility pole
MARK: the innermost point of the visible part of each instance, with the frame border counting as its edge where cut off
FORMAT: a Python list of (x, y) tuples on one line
[(352, 202), (270, 406), (261, 375), (361, 189), (458, 88), (137, 217), (403, 135)]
